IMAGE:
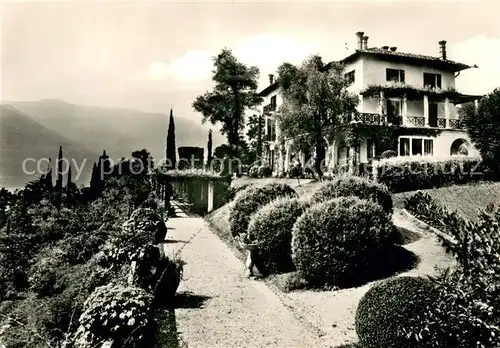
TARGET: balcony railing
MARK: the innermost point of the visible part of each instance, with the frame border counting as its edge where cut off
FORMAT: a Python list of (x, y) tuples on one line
[(269, 108), (441, 122), (372, 119), (456, 124), (417, 121)]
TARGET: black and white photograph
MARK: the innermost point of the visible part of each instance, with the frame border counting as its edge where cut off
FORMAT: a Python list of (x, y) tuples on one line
[(250, 174)]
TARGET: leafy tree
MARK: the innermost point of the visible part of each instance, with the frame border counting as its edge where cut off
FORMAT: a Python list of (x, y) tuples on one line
[(170, 149), (255, 130), (235, 91), (483, 127), (315, 97), (209, 148)]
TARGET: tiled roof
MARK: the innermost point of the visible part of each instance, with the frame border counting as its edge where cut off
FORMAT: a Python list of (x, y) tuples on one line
[(450, 64)]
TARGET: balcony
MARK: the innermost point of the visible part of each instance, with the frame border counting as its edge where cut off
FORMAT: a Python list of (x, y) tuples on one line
[(269, 108), (374, 119), (456, 124), (441, 123), (416, 121)]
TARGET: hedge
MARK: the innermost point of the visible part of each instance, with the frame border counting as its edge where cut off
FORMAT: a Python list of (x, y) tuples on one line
[(348, 185), (390, 314), (248, 201), (333, 242), (272, 227), (402, 174)]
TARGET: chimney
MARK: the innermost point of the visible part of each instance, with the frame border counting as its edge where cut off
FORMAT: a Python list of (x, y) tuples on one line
[(442, 49), (365, 42), (360, 34), (393, 49), (271, 79), (385, 48)]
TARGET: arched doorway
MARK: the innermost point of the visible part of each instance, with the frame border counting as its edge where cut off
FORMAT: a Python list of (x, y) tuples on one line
[(460, 147)]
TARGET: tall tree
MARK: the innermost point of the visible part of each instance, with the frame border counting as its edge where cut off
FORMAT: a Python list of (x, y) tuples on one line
[(68, 182), (209, 148), (255, 129), (235, 91), (59, 180), (315, 98), (49, 185), (170, 148), (483, 127)]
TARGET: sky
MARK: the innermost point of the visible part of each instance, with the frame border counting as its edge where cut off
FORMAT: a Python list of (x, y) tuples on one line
[(153, 56)]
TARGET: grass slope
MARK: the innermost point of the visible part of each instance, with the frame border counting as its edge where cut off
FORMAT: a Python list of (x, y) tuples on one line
[(465, 199)]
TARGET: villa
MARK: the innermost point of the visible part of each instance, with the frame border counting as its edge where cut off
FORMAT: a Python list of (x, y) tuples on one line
[(414, 92)]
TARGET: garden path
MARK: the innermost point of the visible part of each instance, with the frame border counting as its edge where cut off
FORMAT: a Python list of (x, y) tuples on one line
[(218, 305)]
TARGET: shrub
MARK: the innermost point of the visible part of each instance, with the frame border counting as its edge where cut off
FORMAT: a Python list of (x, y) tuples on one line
[(232, 191), (248, 201), (271, 227), (393, 308), (253, 172), (388, 154), (113, 312), (264, 172), (402, 174), (362, 188), (333, 242), (144, 227), (43, 276)]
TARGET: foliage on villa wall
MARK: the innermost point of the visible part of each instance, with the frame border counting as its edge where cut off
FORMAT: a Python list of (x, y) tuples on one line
[(411, 92)]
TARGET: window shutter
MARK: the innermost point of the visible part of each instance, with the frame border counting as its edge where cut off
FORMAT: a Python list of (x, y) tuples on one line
[(402, 76)]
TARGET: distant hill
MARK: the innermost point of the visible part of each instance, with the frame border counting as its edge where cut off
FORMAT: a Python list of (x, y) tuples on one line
[(22, 137), (118, 131)]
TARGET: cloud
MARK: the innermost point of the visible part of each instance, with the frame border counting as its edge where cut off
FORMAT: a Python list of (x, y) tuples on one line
[(269, 51), (265, 51), (485, 52)]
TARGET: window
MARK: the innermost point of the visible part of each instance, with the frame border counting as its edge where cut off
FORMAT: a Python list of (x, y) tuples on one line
[(416, 146), (394, 110), (395, 75), (350, 77), (432, 80), (273, 100), (428, 147), (370, 147), (404, 147)]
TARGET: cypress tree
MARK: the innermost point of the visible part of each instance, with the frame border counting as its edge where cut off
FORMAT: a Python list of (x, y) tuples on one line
[(48, 177), (209, 149), (68, 183), (170, 150), (59, 181)]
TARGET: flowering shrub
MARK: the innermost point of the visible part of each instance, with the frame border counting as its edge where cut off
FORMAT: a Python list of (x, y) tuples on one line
[(144, 227), (115, 313), (411, 173), (253, 172)]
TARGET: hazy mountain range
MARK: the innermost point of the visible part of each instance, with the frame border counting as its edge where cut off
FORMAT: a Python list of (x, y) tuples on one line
[(37, 129)]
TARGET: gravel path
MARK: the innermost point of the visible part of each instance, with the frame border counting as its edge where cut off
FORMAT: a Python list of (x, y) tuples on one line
[(222, 308)]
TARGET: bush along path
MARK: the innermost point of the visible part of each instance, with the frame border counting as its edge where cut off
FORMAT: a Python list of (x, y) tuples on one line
[(217, 305)]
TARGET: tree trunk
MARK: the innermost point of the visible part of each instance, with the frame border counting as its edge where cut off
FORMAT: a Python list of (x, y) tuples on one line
[(320, 158)]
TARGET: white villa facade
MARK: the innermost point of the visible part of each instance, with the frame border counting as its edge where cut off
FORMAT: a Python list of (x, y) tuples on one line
[(415, 91)]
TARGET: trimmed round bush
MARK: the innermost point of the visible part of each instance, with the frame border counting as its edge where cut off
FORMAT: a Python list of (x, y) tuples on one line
[(389, 154), (248, 201), (272, 227), (348, 185), (333, 242), (389, 315)]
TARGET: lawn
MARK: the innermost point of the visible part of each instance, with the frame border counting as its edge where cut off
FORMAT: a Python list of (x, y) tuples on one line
[(465, 199)]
